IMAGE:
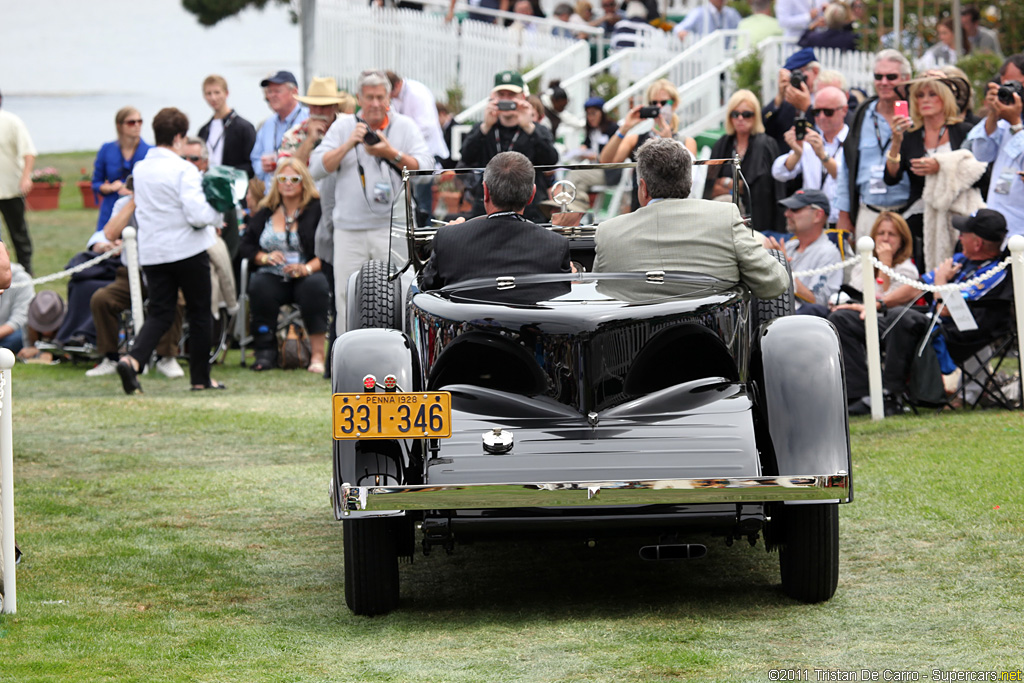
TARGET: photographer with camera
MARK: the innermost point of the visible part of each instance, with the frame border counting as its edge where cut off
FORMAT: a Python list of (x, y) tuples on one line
[(796, 94), (367, 153), (998, 139), (817, 153), (508, 126)]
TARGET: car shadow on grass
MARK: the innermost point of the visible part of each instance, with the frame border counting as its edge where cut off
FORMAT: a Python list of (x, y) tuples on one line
[(560, 577)]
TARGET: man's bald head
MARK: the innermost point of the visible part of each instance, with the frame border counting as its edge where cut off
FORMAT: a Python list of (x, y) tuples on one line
[(830, 97)]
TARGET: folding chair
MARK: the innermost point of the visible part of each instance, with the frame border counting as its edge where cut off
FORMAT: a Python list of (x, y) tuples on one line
[(988, 378)]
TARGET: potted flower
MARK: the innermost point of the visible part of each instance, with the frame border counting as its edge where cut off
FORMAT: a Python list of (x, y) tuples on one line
[(85, 187), (45, 193)]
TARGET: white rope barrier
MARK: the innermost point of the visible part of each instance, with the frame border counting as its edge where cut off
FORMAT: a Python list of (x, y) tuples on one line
[(903, 280), (70, 271)]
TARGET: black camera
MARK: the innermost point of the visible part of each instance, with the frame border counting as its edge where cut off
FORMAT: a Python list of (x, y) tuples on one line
[(797, 78), (802, 125), (506, 105), (370, 138), (649, 112), (1008, 90)]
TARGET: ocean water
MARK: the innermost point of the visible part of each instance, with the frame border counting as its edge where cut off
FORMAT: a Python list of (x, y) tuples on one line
[(67, 66)]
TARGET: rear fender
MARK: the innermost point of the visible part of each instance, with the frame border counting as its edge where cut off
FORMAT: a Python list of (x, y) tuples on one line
[(377, 352), (800, 391)]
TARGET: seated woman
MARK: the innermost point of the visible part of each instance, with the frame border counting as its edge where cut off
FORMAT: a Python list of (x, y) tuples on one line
[(280, 241), (893, 245), (745, 137)]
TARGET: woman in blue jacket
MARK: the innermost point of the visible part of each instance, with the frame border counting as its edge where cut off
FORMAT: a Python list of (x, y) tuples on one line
[(115, 161)]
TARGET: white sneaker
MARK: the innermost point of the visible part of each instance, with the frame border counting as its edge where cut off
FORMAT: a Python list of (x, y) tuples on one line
[(168, 367), (105, 367)]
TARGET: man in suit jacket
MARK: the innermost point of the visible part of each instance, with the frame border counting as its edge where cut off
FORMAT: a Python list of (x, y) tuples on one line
[(672, 233), (502, 242)]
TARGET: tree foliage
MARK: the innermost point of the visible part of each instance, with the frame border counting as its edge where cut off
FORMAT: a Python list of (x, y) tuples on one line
[(210, 12)]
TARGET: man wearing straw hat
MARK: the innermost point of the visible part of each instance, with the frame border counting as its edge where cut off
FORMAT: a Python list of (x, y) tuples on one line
[(324, 101)]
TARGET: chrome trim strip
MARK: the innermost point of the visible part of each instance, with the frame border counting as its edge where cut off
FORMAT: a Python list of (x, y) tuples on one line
[(659, 491)]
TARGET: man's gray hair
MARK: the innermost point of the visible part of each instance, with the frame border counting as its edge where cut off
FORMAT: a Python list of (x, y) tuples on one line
[(666, 167), (203, 151), (509, 177), (890, 55), (373, 78)]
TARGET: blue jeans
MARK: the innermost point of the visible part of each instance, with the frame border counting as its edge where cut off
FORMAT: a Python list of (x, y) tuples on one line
[(13, 341)]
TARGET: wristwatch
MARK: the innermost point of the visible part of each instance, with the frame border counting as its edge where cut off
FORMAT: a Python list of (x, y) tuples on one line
[(827, 158), (398, 158), (1016, 128)]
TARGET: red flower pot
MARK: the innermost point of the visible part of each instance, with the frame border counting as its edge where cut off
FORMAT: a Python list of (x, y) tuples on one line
[(43, 197), (88, 196)]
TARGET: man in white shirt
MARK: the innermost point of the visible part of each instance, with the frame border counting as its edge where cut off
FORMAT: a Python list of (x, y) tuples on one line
[(796, 16), (367, 172), (414, 99), (820, 154), (17, 159)]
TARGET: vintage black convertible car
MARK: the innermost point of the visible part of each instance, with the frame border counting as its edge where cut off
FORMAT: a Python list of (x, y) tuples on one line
[(653, 406)]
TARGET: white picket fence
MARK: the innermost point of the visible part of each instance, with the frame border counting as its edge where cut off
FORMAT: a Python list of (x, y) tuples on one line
[(352, 37)]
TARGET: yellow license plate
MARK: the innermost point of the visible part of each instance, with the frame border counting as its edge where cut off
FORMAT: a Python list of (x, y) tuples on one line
[(392, 415)]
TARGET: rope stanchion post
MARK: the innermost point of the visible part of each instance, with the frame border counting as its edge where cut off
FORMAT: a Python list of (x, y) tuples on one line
[(865, 248), (131, 250), (1017, 273), (10, 605)]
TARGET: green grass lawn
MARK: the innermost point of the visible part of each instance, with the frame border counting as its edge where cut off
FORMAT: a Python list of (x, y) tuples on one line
[(182, 537)]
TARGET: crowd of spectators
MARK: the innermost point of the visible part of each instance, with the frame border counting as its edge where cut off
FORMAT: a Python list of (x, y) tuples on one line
[(819, 166)]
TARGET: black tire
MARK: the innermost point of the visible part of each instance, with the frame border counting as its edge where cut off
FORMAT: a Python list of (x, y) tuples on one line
[(378, 299), (371, 565), (809, 551), (766, 310)]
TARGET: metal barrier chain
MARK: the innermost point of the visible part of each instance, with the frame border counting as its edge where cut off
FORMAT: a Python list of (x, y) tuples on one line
[(70, 271)]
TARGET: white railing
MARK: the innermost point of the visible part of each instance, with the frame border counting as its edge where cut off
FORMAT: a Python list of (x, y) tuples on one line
[(352, 37), (7, 552), (696, 71), (857, 67)]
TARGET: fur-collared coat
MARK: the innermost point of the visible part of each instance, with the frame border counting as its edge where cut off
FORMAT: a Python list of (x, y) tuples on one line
[(948, 193)]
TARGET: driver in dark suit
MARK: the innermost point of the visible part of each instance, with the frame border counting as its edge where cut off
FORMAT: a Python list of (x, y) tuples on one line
[(502, 242)]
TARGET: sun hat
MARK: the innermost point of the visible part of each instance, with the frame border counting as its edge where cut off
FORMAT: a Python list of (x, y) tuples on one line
[(322, 91)]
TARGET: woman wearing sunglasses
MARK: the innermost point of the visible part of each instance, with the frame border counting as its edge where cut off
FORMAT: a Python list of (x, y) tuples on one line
[(116, 159), (624, 144), (745, 137), (924, 147), (280, 243)]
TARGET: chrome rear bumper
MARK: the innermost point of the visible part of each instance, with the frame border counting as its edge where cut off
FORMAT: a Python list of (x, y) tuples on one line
[(665, 491)]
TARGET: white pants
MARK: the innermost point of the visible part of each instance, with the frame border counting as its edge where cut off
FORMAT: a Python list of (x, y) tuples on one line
[(353, 248)]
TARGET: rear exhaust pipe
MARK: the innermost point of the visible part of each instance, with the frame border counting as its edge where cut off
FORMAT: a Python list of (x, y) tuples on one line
[(673, 551)]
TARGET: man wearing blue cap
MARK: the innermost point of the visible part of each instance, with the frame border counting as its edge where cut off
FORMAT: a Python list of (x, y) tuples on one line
[(779, 114), (281, 90)]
